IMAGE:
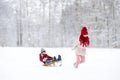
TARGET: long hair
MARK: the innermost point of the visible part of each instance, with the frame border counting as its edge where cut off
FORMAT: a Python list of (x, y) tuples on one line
[(83, 38)]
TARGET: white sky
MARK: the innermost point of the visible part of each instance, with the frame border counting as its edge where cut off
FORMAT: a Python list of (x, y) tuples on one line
[(24, 64)]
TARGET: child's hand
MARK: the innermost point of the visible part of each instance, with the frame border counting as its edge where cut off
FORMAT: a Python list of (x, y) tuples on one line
[(73, 47), (44, 59)]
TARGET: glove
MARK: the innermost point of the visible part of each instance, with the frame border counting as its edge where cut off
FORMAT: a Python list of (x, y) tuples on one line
[(44, 59)]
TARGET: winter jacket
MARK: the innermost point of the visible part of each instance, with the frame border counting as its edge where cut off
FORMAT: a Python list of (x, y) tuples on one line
[(79, 50), (42, 56)]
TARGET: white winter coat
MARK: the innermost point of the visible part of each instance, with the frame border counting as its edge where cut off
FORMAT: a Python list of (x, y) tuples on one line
[(79, 50)]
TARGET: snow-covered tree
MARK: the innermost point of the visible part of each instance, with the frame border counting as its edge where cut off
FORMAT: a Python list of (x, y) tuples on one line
[(57, 23)]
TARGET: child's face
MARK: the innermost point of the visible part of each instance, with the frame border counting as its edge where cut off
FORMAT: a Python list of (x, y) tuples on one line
[(85, 35), (43, 52)]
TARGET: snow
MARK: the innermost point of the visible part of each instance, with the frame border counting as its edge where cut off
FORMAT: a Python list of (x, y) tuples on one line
[(22, 63)]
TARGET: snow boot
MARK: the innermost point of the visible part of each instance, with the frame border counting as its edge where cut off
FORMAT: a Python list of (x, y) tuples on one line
[(54, 59), (59, 58)]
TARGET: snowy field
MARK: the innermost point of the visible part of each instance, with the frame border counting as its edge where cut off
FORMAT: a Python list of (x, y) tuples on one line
[(24, 64)]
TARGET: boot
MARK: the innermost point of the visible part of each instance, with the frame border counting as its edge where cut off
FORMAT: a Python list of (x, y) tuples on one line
[(54, 59), (59, 58)]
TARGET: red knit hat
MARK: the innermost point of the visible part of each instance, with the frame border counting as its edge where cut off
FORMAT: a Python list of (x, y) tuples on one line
[(84, 39), (84, 31)]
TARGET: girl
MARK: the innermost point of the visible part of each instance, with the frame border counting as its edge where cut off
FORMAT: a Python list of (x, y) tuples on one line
[(80, 47)]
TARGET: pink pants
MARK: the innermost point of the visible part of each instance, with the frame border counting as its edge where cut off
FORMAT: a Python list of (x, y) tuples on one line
[(79, 59)]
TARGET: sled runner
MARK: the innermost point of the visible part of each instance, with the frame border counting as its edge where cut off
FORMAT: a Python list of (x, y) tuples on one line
[(54, 64)]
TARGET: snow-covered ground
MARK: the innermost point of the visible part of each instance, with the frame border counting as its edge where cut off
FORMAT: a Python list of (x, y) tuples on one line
[(18, 63)]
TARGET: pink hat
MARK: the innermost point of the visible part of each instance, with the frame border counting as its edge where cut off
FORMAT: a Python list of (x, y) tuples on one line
[(84, 41), (84, 31)]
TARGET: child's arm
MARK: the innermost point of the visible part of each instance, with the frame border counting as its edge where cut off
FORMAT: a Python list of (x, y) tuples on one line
[(44, 59), (74, 46), (48, 57)]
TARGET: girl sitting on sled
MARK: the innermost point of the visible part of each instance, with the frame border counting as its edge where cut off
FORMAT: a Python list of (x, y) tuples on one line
[(45, 58)]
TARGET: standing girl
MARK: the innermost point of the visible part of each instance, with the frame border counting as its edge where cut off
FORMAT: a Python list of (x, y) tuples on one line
[(80, 47)]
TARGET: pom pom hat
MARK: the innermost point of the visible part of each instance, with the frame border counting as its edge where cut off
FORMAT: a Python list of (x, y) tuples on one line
[(42, 50), (84, 39)]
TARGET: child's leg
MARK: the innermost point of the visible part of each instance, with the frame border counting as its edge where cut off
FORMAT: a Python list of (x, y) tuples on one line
[(77, 60), (48, 61), (82, 59)]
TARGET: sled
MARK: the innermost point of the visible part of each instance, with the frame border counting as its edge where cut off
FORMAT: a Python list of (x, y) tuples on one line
[(54, 64)]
